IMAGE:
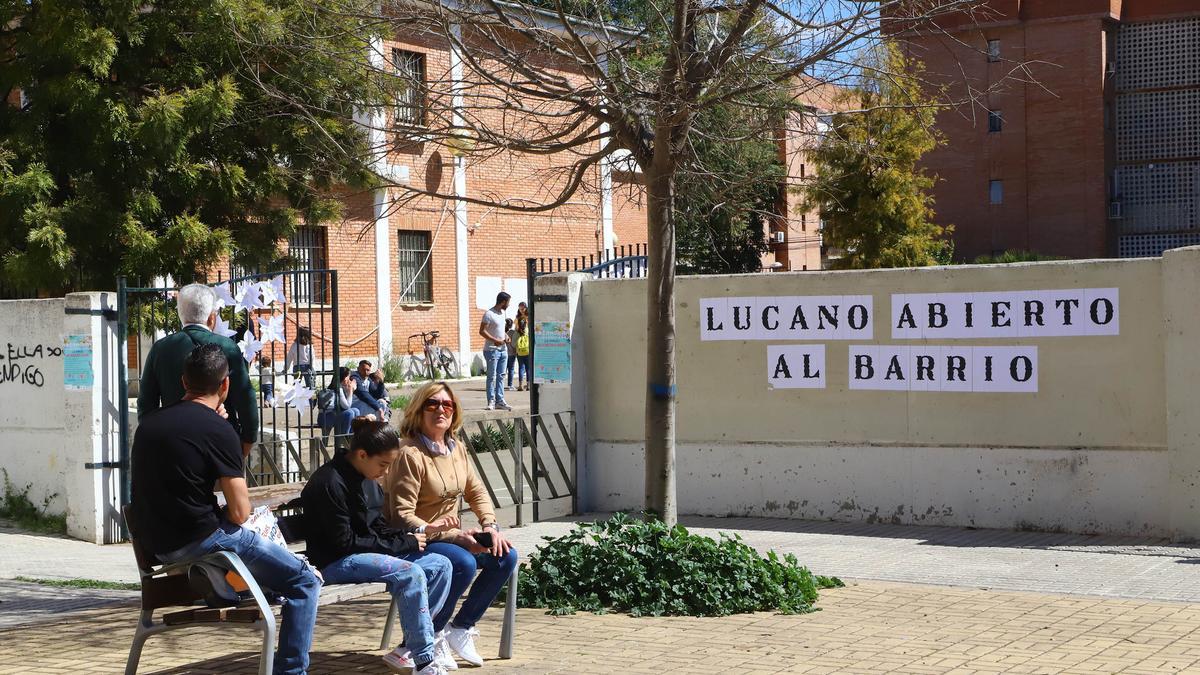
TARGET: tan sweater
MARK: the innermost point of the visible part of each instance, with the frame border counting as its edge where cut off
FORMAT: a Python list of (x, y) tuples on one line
[(421, 488)]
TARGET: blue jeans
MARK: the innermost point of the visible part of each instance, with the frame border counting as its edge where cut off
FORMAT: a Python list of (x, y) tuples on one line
[(338, 420), (512, 361), (493, 572), (361, 407), (306, 372), (524, 374), (419, 582), (497, 358), (276, 568)]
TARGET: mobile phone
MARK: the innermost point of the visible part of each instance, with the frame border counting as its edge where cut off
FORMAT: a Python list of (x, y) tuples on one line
[(484, 539)]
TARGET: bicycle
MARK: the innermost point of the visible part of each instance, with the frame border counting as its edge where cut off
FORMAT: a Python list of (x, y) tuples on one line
[(436, 357)]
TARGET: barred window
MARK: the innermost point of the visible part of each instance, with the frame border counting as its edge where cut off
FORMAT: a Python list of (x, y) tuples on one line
[(410, 103), (416, 275), (308, 248), (995, 121)]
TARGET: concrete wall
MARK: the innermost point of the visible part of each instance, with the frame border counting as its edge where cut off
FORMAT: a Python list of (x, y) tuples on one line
[(54, 424), (1108, 443)]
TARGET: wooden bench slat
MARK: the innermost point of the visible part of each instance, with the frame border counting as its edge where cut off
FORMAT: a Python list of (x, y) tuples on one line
[(212, 615), (336, 593)]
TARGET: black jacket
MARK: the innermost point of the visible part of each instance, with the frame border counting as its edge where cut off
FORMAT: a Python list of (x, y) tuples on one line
[(343, 514)]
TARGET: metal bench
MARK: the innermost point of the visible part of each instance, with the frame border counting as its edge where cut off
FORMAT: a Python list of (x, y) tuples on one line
[(166, 586)]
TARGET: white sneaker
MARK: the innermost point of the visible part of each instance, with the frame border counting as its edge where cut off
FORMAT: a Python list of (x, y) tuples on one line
[(399, 660), (489, 407), (434, 668), (462, 641), (442, 653), (503, 406)]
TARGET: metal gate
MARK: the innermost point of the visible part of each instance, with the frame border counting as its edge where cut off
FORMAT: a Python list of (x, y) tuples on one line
[(269, 309), (621, 262)]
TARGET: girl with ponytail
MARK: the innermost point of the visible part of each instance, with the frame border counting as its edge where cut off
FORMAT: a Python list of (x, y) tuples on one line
[(350, 541)]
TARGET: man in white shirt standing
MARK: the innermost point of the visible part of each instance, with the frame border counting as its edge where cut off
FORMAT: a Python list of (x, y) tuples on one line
[(495, 352)]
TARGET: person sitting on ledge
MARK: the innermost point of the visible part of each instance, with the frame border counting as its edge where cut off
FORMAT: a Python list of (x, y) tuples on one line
[(423, 485), (351, 543), (179, 453)]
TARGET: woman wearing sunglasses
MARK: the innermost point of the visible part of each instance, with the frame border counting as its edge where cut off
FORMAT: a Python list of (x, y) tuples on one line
[(424, 484), (350, 541)]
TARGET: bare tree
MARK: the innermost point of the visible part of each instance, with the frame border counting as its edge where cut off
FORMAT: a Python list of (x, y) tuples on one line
[(578, 81)]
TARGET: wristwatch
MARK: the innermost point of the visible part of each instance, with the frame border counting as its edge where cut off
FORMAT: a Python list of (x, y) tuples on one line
[(421, 529), (494, 526)]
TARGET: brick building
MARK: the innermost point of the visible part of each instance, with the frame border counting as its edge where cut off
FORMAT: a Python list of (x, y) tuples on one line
[(1082, 138), (422, 264), (795, 236), (409, 264)]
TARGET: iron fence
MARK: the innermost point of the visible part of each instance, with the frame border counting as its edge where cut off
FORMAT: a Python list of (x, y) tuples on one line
[(147, 314)]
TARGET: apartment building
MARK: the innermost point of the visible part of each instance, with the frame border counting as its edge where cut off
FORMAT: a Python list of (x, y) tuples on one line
[(1077, 132)]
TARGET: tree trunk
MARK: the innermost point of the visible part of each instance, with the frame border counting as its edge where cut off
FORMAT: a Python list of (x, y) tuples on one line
[(660, 338)]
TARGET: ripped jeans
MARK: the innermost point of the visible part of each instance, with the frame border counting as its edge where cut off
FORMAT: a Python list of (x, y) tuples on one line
[(419, 583)]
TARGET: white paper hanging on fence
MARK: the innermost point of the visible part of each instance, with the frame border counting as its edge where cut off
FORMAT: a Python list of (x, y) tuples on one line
[(943, 368), (808, 317)]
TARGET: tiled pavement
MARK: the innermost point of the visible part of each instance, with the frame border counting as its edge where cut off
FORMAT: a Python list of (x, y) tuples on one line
[(867, 628), (1124, 620)]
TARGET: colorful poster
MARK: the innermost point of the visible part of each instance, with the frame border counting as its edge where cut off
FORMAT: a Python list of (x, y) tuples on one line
[(77, 362), (551, 352)]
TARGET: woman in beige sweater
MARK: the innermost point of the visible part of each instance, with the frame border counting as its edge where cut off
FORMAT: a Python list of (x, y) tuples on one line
[(424, 484)]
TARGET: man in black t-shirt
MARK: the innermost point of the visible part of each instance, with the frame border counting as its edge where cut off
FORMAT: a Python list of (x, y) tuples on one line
[(179, 453)]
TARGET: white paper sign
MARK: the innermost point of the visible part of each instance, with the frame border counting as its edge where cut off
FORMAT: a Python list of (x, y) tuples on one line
[(1075, 311), (934, 368), (808, 317), (796, 366)]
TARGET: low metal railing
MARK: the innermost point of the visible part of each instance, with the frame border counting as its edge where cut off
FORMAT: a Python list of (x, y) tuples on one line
[(525, 462)]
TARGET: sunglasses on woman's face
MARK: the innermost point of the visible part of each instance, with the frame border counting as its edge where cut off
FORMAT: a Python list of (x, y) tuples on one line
[(432, 404)]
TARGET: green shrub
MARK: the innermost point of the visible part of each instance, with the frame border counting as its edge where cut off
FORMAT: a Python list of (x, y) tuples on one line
[(1013, 256), (500, 439), (393, 369), (643, 567), (15, 505), (399, 401)]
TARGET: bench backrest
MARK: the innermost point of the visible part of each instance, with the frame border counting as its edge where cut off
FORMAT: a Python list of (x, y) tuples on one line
[(161, 591)]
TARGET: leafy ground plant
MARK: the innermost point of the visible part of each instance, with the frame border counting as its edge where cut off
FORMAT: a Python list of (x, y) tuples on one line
[(643, 567), (16, 506)]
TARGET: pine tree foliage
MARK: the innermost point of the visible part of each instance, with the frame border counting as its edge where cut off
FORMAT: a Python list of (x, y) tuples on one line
[(873, 197), (148, 138)]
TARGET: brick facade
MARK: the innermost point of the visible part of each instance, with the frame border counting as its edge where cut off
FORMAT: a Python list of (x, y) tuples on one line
[(500, 240), (1044, 180)]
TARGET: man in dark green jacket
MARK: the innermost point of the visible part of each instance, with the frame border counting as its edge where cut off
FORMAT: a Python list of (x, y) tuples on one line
[(162, 372)]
